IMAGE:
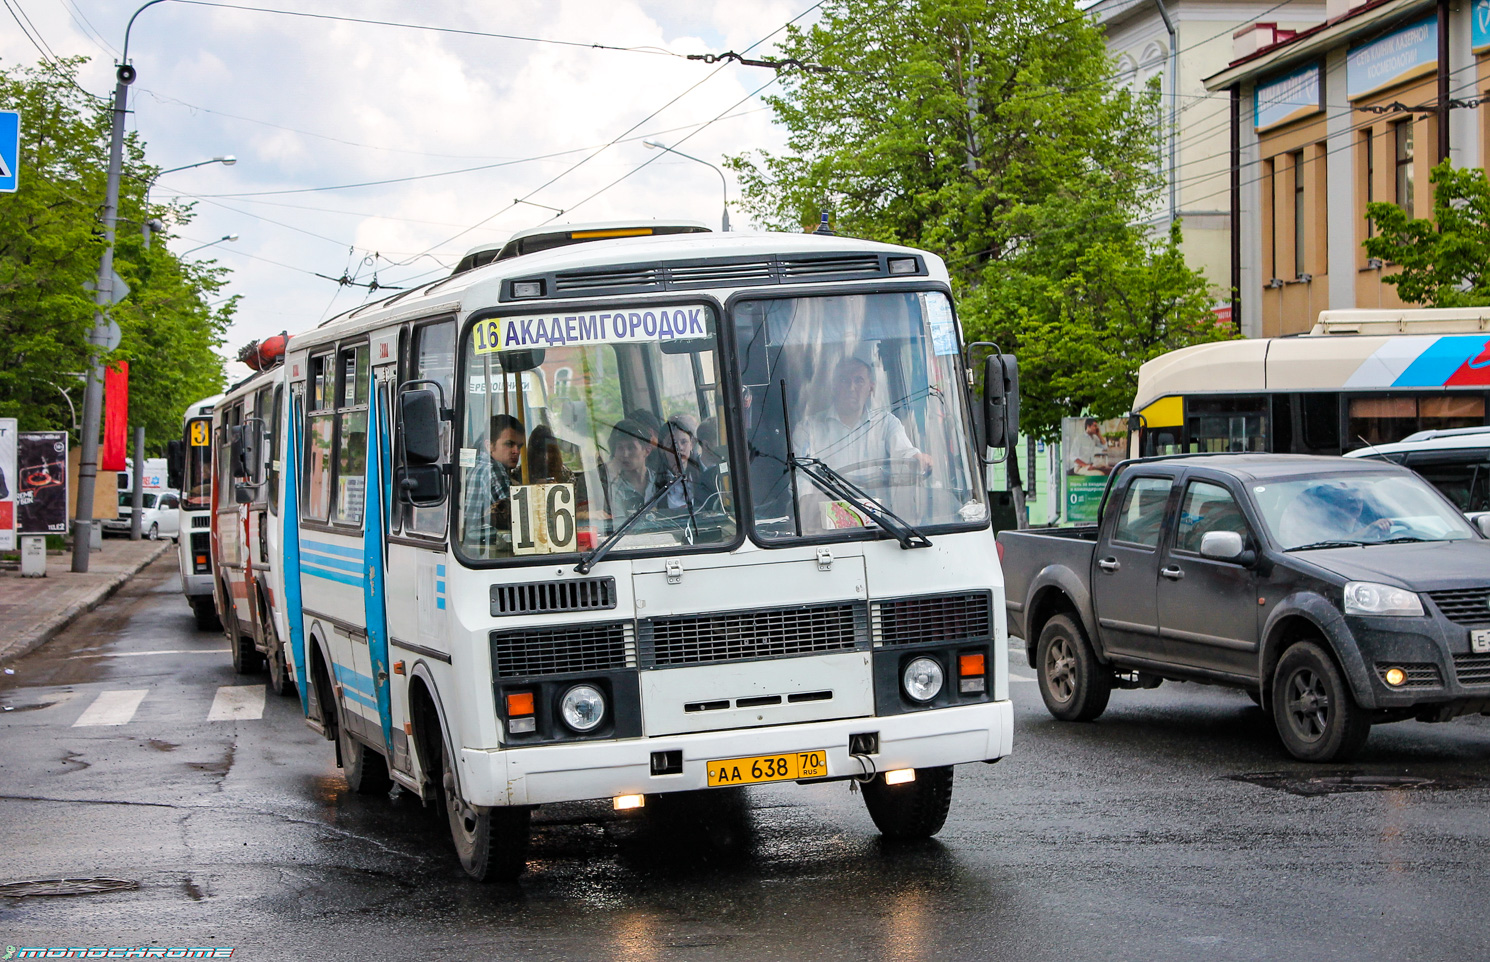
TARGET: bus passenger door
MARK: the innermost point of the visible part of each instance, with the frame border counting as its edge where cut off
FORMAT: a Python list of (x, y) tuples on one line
[(415, 587)]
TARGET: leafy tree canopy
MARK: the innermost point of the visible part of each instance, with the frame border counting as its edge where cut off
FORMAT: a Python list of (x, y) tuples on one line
[(1446, 259), (993, 132), (51, 238)]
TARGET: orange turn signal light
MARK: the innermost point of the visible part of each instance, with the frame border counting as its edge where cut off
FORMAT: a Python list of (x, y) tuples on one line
[(519, 703), (970, 666)]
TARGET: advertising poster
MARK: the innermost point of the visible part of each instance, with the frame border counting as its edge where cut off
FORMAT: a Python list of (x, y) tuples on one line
[(7, 484), (1091, 449), (41, 482)]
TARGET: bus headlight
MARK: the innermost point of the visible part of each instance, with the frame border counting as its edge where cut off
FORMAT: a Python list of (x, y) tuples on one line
[(582, 708), (922, 678)]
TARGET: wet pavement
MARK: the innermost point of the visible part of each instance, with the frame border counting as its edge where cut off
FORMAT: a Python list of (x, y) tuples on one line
[(1175, 827)]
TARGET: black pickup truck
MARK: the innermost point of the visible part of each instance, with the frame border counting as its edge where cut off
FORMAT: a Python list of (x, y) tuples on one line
[(1340, 593)]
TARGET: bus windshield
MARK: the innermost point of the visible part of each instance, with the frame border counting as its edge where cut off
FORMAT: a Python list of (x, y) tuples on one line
[(1307, 513), (866, 386), (563, 444), (197, 493)]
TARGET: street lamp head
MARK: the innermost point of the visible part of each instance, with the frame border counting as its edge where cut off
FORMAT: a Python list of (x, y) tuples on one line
[(226, 160), (230, 237), (653, 144)]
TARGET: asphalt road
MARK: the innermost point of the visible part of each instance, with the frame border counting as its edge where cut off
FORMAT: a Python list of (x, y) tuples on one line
[(1130, 838)]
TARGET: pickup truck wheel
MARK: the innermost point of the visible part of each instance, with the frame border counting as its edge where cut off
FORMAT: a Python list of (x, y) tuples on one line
[(1074, 684), (912, 810), (1317, 717)]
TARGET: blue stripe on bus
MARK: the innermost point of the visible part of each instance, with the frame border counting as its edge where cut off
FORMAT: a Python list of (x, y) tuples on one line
[(1440, 361), (440, 587), (440, 570), (327, 575), (341, 564), (440, 603), (332, 549), (351, 678), (359, 698)]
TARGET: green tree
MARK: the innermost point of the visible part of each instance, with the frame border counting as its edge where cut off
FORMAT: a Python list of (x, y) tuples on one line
[(992, 132), (51, 239), (1446, 259)]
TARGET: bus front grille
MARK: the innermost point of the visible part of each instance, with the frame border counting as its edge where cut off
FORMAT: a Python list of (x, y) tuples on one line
[(768, 633), (905, 621), (551, 651), (547, 597)]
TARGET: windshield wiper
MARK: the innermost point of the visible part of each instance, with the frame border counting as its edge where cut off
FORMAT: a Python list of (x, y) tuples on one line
[(836, 485), (1328, 544), (597, 554), (1404, 539)]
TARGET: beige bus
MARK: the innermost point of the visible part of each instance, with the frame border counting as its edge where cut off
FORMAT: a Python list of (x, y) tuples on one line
[(1358, 378)]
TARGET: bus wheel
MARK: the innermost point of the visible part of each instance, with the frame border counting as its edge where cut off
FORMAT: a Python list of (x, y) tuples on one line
[(365, 769), (204, 609), (279, 673), (246, 658), (492, 843), (911, 810)]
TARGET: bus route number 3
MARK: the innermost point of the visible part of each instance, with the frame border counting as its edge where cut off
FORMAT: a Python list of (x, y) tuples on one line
[(543, 518)]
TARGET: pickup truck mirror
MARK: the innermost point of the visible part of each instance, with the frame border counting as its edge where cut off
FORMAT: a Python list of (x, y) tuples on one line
[(1222, 546), (1483, 524)]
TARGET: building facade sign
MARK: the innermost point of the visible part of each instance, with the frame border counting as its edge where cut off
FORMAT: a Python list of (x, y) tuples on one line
[(1479, 20), (1399, 56), (1289, 97)]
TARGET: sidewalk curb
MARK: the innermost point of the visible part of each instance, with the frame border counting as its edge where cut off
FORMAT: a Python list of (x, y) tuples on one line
[(54, 625)]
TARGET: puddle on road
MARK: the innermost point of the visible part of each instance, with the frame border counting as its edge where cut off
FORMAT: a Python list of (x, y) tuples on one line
[(1311, 784)]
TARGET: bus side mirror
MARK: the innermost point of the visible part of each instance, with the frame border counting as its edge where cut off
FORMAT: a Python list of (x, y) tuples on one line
[(419, 425), (238, 452), (422, 485), (175, 463), (1000, 420)]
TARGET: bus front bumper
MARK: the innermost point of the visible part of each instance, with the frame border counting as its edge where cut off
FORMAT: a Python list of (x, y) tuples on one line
[(587, 770)]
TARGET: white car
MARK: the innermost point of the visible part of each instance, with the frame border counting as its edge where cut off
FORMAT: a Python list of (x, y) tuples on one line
[(161, 517), (1455, 461)]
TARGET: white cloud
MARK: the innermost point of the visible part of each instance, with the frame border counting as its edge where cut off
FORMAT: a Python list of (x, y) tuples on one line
[(416, 102)]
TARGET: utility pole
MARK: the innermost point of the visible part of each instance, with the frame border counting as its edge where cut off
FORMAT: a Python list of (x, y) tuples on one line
[(82, 531), (103, 291)]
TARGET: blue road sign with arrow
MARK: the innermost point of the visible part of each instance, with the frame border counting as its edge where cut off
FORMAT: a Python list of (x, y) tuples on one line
[(10, 150)]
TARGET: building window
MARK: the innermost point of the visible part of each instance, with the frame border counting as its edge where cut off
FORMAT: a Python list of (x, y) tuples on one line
[(1403, 131), (1369, 143), (1298, 213)]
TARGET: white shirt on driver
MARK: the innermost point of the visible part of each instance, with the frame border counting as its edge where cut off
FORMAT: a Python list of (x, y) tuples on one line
[(878, 437)]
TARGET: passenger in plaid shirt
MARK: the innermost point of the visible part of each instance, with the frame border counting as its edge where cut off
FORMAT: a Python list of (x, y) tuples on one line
[(487, 503)]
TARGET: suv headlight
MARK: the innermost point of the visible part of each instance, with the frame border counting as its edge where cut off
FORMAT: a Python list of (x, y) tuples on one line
[(1368, 598)]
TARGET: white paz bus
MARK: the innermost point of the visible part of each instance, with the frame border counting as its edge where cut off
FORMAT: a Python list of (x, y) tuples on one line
[(645, 515)]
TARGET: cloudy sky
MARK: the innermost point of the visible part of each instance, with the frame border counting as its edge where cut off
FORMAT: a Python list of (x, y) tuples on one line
[(310, 105)]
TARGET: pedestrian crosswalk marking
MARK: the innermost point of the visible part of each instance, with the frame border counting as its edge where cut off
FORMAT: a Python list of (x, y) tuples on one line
[(112, 708), (237, 703)]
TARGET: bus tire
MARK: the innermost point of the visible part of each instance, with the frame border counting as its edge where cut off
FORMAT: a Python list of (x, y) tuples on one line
[(279, 672), (246, 657), (491, 843), (204, 609), (1073, 683), (365, 769), (911, 810), (1317, 717)]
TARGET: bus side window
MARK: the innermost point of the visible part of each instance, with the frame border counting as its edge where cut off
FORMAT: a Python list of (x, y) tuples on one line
[(276, 415), (353, 389), (433, 358), (319, 426)]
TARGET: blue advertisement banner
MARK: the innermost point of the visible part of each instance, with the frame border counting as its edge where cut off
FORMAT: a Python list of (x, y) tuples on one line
[(1400, 55), (1289, 97), (1479, 25)]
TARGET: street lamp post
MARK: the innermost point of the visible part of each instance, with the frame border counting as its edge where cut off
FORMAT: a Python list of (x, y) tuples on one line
[(82, 535), (225, 237), (722, 182), (227, 160)]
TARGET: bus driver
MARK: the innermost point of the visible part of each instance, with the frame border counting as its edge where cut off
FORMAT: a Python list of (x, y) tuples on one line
[(851, 435)]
